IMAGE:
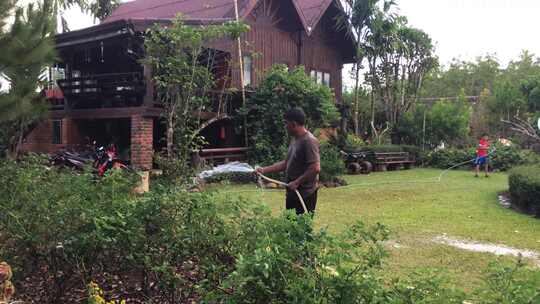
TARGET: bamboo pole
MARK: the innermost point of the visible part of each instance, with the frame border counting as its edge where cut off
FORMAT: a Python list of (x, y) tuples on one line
[(241, 65)]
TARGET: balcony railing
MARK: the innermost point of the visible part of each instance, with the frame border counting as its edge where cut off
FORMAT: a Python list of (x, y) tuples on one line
[(123, 89)]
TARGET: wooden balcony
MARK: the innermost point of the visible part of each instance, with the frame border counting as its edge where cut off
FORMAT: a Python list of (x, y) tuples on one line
[(104, 90)]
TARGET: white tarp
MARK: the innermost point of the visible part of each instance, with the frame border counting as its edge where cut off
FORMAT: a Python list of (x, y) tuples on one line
[(234, 167)]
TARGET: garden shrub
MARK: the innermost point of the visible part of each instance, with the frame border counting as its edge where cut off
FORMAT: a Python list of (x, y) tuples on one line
[(171, 246), (502, 158), (352, 142), (524, 185), (446, 158), (507, 157), (232, 177), (332, 164), (76, 227), (288, 261)]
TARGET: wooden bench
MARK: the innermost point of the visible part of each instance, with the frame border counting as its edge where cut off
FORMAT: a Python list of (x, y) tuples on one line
[(223, 155), (393, 160)]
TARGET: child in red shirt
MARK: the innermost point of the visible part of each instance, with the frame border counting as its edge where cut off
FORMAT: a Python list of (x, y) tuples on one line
[(482, 155)]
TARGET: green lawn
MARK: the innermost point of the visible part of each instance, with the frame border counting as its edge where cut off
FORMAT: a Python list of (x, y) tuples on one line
[(417, 208)]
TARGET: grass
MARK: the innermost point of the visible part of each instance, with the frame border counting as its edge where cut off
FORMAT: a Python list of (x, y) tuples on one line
[(417, 208)]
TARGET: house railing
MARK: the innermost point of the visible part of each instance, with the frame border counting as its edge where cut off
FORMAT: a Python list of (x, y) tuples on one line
[(121, 86)]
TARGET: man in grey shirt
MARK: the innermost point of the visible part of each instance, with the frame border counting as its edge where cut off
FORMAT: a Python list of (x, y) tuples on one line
[(302, 165)]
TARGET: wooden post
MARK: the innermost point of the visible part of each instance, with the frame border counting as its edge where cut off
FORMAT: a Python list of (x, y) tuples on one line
[(241, 65)]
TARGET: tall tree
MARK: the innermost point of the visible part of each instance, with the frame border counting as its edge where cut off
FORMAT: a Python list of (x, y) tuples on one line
[(359, 15), (26, 48), (399, 57)]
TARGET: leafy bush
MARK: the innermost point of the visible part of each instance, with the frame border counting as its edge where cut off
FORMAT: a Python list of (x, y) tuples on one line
[(501, 159), (446, 158), (332, 164), (280, 91), (235, 177), (444, 121), (353, 141), (289, 262), (76, 227), (170, 246), (524, 184), (507, 157)]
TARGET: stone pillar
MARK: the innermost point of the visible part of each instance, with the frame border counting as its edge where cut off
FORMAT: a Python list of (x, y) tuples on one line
[(142, 136)]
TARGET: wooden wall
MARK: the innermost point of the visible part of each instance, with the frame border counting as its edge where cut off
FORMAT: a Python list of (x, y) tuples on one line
[(278, 37)]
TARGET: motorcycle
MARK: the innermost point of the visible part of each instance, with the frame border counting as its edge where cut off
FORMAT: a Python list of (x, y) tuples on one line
[(101, 159)]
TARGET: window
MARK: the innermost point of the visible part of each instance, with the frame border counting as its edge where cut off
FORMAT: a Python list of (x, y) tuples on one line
[(57, 132), (326, 79), (248, 65), (320, 77)]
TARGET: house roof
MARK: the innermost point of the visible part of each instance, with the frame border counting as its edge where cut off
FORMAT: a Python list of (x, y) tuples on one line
[(310, 11), (167, 9)]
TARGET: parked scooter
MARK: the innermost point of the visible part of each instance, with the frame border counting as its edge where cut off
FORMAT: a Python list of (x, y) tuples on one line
[(100, 158)]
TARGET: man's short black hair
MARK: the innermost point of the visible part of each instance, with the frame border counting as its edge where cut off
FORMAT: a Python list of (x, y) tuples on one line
[(296, 115), (484, 134)]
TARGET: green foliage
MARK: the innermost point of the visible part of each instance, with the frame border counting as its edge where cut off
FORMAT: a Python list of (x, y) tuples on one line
[(289, 262), (399, 56), (508, 285), (501, 159), (182, 73), (332, 164), (234, 177), (445, 122), (507, 100), (78, 227), (446, 158), (470, 77), (26, 48), (524, 184), (353, 141), (278, 92), (68, 230), (507, 157)]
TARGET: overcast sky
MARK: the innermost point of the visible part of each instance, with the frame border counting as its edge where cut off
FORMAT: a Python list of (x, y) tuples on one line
[(471, 28)]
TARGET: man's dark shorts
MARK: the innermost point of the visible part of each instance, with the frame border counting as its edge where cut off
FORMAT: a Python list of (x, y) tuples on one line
[(292, 202)]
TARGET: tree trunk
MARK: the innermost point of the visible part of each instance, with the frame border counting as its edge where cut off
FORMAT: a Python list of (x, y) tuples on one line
[(356, 118), (18, 145), (170, 136)]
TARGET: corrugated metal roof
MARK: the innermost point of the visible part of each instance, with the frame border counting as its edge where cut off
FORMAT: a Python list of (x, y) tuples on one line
[(168, 9)]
